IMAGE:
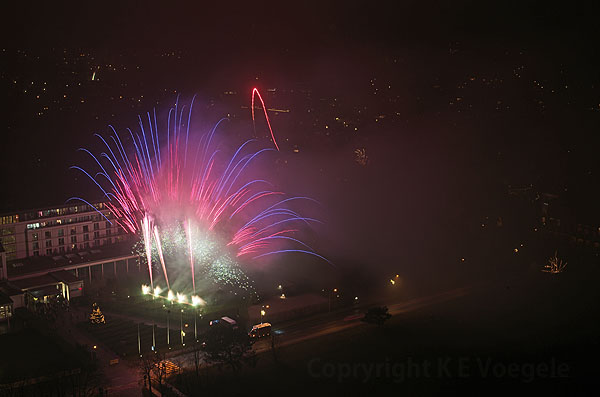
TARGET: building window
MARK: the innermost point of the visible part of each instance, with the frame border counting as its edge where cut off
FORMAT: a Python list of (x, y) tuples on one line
[(48, 243), (61, 241), (86, 228), (86, 237), (109, 240), (73, 240), (36, 245), (36, 253), (86, 245), (96, 243), (108, 232), (34, 236), (49, 251), (107, 224), (61, 250), (48, 235), (96, 234), (61, 232), (5, 312), (73, 231), (96, 226), (9, 219)]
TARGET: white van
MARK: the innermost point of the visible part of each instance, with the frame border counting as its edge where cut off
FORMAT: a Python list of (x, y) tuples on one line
[(260, 330)]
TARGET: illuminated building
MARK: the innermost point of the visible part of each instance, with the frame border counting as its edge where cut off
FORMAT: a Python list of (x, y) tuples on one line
[(57, 230), (55, 252)]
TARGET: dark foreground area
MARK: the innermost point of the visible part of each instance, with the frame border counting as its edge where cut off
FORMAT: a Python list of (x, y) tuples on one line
[(532, 334)]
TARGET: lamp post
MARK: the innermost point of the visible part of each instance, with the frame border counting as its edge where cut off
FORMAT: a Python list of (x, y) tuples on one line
[(168, 329), (181, 327), (153, 338), (195, 326), (330, 292)]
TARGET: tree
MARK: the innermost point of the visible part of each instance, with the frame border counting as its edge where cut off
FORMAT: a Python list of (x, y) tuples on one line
[(197, 358), (160, 372), (225, 345), (96, 317), (87, 381), (377, 315), (147, 366)]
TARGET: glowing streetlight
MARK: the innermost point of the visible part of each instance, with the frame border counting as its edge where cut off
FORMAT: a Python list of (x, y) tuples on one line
[(197, 301), (393, 282), (181, 327), (335, 290), (181, 298), (168, 330), (145, 289), (170, 296)]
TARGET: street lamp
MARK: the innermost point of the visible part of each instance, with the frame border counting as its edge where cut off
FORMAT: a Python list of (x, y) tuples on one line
[(181, 327), (262, 313), (153, 337), (168, 329), (330, 292)]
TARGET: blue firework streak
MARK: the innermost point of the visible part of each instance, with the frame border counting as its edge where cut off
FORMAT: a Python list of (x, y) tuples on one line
[(194, 197)]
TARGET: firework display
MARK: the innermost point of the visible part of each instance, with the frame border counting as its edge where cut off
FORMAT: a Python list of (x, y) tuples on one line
[(199, 211)]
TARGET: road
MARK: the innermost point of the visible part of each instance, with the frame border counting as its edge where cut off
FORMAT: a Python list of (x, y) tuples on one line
[(316, 326)]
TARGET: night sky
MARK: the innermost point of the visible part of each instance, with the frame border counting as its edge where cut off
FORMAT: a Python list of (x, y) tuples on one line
[(451, 102), (412, 123)]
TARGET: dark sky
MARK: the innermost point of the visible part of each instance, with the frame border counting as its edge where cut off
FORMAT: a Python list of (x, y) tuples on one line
[(302, 28), (510, 87)]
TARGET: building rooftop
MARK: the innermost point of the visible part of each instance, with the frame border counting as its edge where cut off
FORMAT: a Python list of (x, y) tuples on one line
[(64, 276), (49, 211), (9, 288), (48, 290), (36, 264), (35, 282), (5, 299)]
